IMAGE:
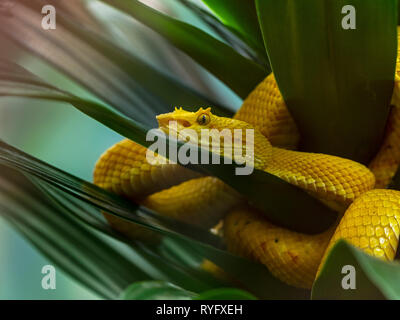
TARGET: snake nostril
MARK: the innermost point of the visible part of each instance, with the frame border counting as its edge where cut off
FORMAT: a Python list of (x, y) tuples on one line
[(185, 123)]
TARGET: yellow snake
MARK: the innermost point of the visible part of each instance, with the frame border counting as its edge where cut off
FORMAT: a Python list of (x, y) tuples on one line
[(371, 221)]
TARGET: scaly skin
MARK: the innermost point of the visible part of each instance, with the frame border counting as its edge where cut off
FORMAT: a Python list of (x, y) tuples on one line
[(371, 223), (329, 177), (202, 202), (297, 254), (124, 169), (266, 110), (291, 256)]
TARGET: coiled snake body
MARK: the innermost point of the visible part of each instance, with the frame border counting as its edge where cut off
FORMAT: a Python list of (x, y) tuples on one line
[(371, 221)]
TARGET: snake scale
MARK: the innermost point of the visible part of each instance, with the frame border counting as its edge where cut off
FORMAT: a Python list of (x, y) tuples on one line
[(370, 214)]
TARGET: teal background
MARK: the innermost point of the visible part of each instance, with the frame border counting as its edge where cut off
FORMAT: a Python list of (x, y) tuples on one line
[(69, 140)]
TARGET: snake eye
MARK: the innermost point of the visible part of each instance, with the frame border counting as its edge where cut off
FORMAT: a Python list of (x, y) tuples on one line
[(203, 119)]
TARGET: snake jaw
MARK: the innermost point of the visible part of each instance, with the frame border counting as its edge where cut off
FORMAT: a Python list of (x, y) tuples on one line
[(173, 122), (186, 127), (176, 129)]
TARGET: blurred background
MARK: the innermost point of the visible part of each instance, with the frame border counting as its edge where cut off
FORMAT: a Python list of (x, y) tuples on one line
[(60, 135)]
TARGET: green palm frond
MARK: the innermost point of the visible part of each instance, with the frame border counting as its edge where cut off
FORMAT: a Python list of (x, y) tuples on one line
[(339, 83)]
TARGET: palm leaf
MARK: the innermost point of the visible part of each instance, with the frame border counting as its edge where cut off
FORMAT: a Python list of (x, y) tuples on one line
[(241, 16), (337, 83), (237, 72), (87, 258), (161, 290), (227, 34), (123, 81), (374, 278), (99, 197), (155, 290), (225, 294), (41, 222)]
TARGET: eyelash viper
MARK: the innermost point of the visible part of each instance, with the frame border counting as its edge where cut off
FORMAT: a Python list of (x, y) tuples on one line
[(371, 222)]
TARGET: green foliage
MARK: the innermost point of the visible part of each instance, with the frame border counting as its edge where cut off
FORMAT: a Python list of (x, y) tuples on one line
[(227, 34), (85, 256), (337, 83), (241, 16), (155, 290), (375, 279), (100, 198), (124, 81), (225, 294), (162, 290), (237, 72), (395, 183)]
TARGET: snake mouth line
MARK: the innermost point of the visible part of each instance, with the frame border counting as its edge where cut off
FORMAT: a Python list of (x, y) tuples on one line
[(180, 123)]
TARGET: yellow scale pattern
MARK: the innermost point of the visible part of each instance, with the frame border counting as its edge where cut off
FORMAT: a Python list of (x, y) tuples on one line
[(372, 223), (202, 201), (291, 256), (124, 169), (328, 177), (266, 110), (297, 257)]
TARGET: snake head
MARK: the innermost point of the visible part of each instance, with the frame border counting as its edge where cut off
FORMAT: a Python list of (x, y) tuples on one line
[(222, 133), (173, 123), (185, 119), (191, 127)]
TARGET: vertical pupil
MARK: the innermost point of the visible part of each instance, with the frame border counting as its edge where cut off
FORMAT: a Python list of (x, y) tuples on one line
[(203, 119)]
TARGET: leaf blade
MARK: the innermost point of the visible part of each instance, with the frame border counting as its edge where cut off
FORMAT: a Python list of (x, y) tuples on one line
[(240, 16), (124, 81), (237, 72), (375, 279), (225, 294), (155, 290), (40, 222), (337, 84)]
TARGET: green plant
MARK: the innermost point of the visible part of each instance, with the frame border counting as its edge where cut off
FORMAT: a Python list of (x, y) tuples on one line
[(53, 209)]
